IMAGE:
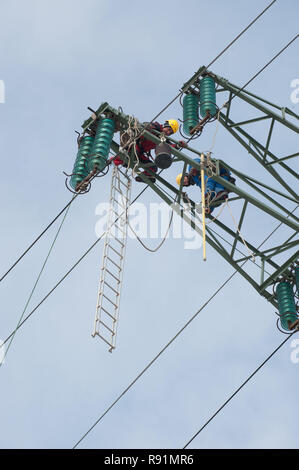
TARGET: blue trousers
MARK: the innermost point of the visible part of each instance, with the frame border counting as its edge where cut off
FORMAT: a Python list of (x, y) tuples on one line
[(213, 186)]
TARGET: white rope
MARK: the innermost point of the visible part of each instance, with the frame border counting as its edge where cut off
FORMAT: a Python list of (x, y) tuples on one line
[(152, 250), (239, 232), (216, 131)]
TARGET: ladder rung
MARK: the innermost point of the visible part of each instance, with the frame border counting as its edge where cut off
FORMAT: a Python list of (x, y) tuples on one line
[(120, 192), (118, 215), (119, 241), (108, 313), (117, 218), (123, 231), (104, 339), (111, 274), (122, 182), (119, 267), (123, 206), (112, 288), (124, 174), (109, 300), (115, 251), (104, 324)]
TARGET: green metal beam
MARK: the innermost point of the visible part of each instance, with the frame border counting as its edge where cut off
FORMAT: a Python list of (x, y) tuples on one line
[(193, 219), (279, 272), (239, 227), (253, 102), (262, 100), (250, 121), (282, 159), (261, 149), (247, 178), (258, 157), (182, 156), (217, 222), (215, 246), (280, 249), (268, 139)]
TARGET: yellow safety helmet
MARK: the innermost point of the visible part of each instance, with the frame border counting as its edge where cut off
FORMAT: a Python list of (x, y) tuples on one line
[(173, 124), (178, 179)]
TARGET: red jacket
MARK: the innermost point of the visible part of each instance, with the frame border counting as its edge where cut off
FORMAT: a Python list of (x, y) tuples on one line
[(144, 145)]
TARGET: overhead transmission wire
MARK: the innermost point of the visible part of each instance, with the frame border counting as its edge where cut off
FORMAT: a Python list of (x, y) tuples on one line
[(217, 126), (66, 207), (156, 357), (239, 388), (69, 203), (92, 246), (164, 109), (172, 101), (61, 280), (206, 303), (218, 116), (35, 284), (212, 145), (234, 95), (200, 72), (65, 276), (171, 341), (39, 237), (21, 322)]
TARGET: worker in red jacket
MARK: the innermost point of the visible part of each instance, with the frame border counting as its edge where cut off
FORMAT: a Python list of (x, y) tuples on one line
[(144, 146)]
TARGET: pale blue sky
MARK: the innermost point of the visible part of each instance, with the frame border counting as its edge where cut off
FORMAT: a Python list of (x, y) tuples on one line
[(57, 58)]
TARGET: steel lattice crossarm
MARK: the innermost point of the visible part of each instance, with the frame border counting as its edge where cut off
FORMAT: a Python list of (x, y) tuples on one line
[(278, 117), (268, 270), (250, 202)]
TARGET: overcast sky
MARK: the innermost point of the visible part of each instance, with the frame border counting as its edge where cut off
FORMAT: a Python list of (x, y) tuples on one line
[(57, 58)]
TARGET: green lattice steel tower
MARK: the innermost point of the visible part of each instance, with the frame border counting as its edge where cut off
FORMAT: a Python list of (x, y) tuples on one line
[(264, 266)]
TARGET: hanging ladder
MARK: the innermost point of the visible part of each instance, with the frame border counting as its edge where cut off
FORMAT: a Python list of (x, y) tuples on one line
[(107, 310)]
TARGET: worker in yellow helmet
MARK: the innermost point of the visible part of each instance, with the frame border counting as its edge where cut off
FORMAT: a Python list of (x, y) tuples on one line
[(214, 191), (173, 124), (144, 146)]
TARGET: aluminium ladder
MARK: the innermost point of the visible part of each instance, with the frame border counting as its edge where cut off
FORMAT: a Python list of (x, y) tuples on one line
[(107, 309)]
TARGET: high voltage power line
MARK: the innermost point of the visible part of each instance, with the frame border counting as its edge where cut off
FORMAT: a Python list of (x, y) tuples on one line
[(197, 74), (74, 197), (239, 388), (173, 339), (92, 246)]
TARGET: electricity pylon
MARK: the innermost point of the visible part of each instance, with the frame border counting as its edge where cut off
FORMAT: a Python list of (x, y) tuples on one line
[(253, 201)]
